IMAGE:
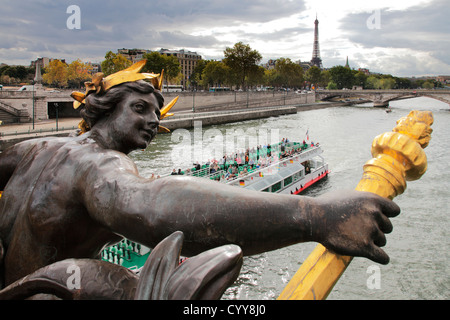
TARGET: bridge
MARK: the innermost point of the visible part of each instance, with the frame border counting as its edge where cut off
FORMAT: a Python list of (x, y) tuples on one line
[(23, 106), (41, 104), (381, 98)]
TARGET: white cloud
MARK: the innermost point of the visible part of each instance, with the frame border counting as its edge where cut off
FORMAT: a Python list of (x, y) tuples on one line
[(413, 38)]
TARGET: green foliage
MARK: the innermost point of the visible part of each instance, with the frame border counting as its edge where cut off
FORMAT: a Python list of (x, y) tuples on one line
[(428, 85), (360, 78), (196, 76), (157, 62), (332, 86), (343, 77), (314, 76), (16, 74), (215, 73), (114, 63), (325, 78), (289, 74), (242, 62), (381, 82)]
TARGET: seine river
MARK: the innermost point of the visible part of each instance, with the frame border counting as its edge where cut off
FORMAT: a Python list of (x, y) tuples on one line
[(418, 246)]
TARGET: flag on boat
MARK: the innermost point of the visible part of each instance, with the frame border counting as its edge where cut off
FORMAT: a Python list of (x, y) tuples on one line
[(242, 182), (307, 135)]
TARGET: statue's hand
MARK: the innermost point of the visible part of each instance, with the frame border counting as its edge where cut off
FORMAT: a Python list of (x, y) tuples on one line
[(354, 223)]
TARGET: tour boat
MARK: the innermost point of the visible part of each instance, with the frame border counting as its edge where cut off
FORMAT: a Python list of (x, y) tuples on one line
[(291, 174), (288, 168)]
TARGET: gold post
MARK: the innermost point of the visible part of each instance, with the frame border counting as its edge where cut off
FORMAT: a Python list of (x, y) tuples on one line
[(398, 157)]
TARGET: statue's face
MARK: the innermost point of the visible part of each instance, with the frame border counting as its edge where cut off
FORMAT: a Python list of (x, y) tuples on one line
[(134, 122)]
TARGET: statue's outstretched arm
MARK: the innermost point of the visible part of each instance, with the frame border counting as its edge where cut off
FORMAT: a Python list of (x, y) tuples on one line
[(212, 214)]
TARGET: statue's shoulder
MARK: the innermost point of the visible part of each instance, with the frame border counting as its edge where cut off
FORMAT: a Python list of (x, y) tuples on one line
[(107, 159)]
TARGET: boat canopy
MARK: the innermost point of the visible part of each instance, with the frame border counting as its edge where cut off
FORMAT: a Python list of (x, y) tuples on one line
[(271, 178), (268, 176)]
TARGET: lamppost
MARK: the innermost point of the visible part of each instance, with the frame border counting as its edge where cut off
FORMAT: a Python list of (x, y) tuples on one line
[(56, 108), (193, 83), (247, 96), (33, 103), (37, 79)]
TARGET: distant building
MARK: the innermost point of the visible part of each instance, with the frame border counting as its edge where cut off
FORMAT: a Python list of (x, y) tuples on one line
[(270, 64), (95, 67), (305, 64), (134, 55), (365, 71), (44, 62), (443, 79), (188, 60)]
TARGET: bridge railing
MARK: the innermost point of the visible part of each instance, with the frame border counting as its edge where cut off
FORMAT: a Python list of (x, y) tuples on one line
[(31, 132)]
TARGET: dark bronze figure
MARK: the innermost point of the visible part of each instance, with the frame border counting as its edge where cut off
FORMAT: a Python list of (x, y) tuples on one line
[(202, 277), (68, 198)]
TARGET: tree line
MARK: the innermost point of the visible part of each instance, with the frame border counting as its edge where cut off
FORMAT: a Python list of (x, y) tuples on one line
[(240, 69), (340, 77)]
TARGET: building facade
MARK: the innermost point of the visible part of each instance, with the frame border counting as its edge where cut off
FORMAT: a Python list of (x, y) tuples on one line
[(44, 62), (134, 55), (188, 61)]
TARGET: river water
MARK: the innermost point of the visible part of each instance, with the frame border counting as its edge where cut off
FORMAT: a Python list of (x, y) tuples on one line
[(418, 246)]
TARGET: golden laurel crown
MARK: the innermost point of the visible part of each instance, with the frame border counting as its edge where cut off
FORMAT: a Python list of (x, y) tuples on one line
[(101, 84)]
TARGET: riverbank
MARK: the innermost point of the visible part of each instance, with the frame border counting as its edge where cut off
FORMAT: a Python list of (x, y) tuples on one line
[(17, 132)]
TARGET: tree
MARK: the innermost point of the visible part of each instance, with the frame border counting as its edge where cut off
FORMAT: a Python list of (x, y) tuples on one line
[(172, 69), (56, 73), (196, 76), (428, 84), (114, 63), (387, 83), (313, 75), (215, 73), (15, 73), (324, 78), (242, 61), (157, 62), (332, 86), (271, 77), (371, 82), (290, 74), (343, 77), (256, 77), (77, 73), (5, 79), (360, 79), (403, 83)]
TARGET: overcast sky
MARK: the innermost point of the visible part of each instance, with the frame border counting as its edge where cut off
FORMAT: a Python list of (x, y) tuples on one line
[(402, 38)]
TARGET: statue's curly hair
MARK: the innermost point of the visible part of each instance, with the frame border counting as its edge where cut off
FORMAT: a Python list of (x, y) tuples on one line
[(97, 105)]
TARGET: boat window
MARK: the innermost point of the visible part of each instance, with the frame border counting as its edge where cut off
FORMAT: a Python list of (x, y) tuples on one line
[(266, 190), (288, 181), (276, 187)]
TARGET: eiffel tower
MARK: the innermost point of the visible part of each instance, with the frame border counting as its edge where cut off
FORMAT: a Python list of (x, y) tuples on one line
[(316, 60)]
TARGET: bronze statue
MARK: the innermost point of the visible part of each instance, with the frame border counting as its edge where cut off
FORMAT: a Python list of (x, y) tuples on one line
[(205, 276), (68, 198)]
